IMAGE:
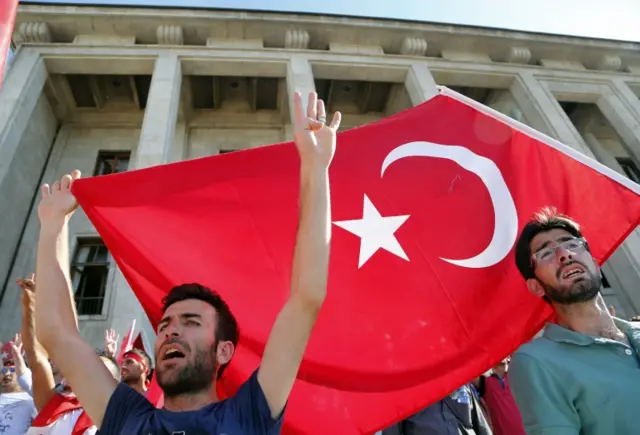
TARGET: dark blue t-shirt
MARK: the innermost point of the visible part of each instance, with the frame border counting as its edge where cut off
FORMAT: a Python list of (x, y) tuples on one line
[(246, 413)]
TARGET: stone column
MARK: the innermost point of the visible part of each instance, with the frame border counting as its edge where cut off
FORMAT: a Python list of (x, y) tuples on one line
[(623, 117), (627, 95), (299, 79), (160, 117), (27, 130), (420, 83), (543, 111), (503, 101), (155, 147)]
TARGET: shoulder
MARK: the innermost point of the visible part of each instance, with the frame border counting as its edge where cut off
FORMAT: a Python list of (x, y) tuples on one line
[(125, 403), (251, 409)]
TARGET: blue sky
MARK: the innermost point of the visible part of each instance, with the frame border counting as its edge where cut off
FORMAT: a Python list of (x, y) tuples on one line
[(607, 19)]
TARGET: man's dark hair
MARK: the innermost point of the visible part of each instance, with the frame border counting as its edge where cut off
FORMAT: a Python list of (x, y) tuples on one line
[(142, 354), (545, 220), (227, 327), (112, 364)]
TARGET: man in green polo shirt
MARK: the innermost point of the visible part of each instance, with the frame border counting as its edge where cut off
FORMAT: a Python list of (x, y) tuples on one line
[(582, 377)]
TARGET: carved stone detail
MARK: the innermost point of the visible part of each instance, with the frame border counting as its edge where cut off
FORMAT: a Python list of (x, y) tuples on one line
[(413, 47), (169, 35), (35, 32), (297, 39)]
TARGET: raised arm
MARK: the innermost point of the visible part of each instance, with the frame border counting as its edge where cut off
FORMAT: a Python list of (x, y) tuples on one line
[(42, 374), (288, 339), (56, 321)]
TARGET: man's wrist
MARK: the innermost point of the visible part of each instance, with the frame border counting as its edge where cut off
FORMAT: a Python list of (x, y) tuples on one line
[(313, 170), (53, 226)]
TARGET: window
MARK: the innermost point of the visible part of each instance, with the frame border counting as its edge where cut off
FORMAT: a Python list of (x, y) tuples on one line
[(89, 271), (630, 168), (112, 162)]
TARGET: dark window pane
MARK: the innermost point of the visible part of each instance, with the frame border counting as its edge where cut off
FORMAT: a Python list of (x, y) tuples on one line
[(112, 162), (89, 272)]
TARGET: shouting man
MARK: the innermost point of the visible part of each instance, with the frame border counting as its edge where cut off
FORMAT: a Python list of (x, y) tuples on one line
[(135, 369), (583, 375), (198, 334)]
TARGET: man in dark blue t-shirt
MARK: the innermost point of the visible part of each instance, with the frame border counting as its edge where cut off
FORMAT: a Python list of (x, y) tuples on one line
[(198, 334)]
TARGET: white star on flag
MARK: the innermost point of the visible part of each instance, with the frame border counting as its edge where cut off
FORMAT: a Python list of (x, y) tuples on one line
[(3, 356), (375, 232)]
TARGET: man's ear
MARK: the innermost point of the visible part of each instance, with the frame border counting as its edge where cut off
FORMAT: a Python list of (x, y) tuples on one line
[(225, 352), (535, 287)]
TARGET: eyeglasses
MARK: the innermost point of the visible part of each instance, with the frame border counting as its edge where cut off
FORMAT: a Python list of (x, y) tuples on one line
[(547, 254), (6, 370)]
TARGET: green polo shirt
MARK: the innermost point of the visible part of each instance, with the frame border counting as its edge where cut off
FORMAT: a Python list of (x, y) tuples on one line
[(567, 383)]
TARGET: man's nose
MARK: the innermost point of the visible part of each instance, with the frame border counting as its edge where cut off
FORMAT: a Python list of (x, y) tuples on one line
[(563, 254), (171, 331)]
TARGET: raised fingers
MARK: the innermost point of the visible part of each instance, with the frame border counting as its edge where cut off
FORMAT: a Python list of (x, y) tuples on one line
[(65, 182), (335, 121), (298, 111), (322, 112), (45, 191), (312, 106)]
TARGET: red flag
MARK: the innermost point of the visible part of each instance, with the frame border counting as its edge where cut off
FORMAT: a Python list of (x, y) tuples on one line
[(127, 342), (8, 10), (423, 291)]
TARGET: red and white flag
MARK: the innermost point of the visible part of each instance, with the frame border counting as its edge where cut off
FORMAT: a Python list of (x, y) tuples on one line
[(423, 290), (8, 9), (127, 342)]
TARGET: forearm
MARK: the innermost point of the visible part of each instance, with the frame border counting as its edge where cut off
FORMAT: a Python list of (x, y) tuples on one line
[(55, 313), (311, 255), (41, 382)]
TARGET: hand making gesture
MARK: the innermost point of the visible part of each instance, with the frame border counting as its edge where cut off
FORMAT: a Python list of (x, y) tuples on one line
[(315, 140)]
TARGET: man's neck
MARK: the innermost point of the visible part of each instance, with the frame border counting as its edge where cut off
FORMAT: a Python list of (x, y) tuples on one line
[(138, 385), (10, 389), (190, 402), (589, 318)]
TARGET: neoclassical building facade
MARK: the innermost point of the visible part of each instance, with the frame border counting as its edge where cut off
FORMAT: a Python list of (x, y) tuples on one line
[(107, 89)]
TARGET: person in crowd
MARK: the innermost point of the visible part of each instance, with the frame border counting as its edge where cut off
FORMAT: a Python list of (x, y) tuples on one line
[(135, 364), (198, 333), (60, 413), (582, 376), (478, 386), (503, 411), (135, 370), (457, 414), (16, 405)]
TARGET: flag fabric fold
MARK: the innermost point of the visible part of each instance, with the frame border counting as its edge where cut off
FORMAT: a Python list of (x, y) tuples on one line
[(423, 291)]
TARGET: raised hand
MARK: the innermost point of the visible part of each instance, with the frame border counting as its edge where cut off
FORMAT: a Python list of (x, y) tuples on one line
[(315, 140), (18, 359), (28, 286), (57, 202), (111, 342)]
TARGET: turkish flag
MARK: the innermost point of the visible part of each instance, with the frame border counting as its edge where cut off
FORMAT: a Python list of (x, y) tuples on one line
[(423, 290), (8, 10)]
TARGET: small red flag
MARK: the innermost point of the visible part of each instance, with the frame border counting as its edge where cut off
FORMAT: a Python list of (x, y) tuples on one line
[(426, 207), (127, 342), (8, 9)]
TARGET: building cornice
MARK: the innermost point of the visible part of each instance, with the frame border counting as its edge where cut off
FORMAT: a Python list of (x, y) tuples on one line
[(200, 27)]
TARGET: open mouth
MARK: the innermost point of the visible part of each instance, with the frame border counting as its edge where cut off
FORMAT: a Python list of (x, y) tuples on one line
[(172, 353), (572, 272)]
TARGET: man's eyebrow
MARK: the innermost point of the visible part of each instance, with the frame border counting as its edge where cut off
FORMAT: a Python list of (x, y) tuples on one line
[(560, 239)]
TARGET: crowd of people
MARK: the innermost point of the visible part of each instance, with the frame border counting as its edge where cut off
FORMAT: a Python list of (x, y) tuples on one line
[(581, 377)]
